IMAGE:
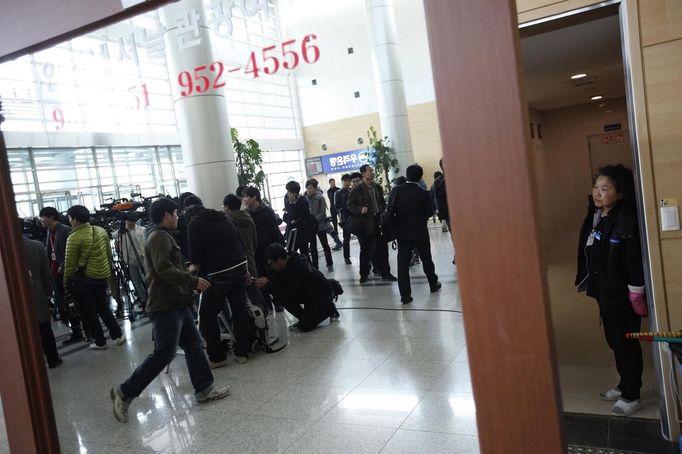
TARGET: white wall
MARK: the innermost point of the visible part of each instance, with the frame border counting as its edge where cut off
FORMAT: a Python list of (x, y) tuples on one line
[(338, 26)]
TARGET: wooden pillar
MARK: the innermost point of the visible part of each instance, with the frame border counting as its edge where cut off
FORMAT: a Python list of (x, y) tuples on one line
[(24, 388), (483, 121)]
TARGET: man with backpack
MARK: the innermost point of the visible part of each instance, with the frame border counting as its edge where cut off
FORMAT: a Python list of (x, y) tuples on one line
[(216, 252)]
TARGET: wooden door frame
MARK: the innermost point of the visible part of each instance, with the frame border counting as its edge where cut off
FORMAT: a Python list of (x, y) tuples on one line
[(483, 119)]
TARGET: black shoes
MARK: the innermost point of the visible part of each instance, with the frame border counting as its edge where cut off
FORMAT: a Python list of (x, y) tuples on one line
[(389, 278), (56, 364), (348, 262), (363, 279), (406, 299), (435, 287), (73, 338)]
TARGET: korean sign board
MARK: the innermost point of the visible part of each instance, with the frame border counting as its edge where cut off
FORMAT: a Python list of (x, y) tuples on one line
[(344, 161)]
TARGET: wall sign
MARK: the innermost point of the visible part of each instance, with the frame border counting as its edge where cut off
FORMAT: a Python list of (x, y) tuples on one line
[(344, 161), (313, 166), (616, 137), (612, 127)]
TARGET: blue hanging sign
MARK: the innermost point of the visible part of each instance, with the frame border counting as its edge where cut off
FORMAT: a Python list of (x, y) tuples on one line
[(344, 161)]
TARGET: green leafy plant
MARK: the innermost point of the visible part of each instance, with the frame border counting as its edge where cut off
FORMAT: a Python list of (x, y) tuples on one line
[(382, 158), (249, 160)]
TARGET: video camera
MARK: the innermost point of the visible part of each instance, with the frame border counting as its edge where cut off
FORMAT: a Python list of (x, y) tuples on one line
[(113, 215), (33, 229)]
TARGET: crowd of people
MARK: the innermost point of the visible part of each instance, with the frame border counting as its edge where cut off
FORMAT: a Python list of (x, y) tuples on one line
[(232, 258)]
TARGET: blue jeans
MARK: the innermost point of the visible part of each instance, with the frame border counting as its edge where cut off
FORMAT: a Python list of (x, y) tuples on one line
[(171, 328)]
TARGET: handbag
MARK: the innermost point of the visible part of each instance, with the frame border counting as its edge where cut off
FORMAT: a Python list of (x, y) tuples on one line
[(78, 280), (389, 218)]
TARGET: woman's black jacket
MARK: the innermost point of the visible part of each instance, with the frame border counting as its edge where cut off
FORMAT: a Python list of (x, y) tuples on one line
[(621, 260)]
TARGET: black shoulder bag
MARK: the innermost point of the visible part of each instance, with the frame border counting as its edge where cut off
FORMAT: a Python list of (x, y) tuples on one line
[(78, 280), (389, 218)]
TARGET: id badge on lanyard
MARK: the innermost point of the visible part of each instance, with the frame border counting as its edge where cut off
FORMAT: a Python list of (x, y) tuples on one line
[(594, 235)]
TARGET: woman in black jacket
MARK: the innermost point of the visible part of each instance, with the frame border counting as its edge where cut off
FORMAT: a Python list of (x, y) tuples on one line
[(610, 270)]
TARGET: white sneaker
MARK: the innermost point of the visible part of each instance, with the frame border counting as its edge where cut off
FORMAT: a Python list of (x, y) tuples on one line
[(612, 394), (120, 341), (240, 359), (212, 394), (120, 405), (94, 346), (625, 407)]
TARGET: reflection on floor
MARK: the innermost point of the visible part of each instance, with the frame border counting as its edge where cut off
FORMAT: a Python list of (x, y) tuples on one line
[(381, 380)]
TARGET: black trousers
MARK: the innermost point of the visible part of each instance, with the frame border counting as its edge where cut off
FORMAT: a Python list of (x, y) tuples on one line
[(335, 222), (73, 322), (309, 313), (374, 248), (49, 344), (346, 243), (405, 248), (322, 235), (231, 286), (627, 352), (94, 303)]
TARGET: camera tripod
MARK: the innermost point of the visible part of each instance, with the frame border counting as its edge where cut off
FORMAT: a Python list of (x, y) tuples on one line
[(129, 295)]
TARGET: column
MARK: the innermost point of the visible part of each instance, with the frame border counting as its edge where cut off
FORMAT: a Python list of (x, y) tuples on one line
[(388, 79), (201, 116)]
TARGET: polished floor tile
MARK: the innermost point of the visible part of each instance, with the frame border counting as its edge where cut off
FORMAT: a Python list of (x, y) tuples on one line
[(328, 437), (412, 441), (453, 413), (375, 407)]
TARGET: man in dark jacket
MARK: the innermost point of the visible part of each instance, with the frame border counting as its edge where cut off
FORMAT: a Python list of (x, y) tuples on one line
[(55, 244), (41, 289), (216, 250), (297, 216), (333, 212), (340, 199), (366, 204), (300, 288), (413, 208), (169, 300)]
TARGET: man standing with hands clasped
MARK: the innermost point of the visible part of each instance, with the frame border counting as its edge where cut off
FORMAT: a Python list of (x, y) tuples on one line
[(168, 305), (365, 205)]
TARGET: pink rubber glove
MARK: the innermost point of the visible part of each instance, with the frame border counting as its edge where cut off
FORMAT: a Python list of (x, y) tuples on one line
[(637, 299)]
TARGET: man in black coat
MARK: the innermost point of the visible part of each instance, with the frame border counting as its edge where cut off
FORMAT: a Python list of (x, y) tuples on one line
[(366, 204), (299, 287), (334, 213), (340, 199), (55, 245), (216, 251), (413, 209)]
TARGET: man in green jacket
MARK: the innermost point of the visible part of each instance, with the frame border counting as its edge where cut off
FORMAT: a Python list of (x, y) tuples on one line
[(169, 299), (88, 247)]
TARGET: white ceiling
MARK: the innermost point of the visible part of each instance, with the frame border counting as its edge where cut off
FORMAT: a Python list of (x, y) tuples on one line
[(551, 58)]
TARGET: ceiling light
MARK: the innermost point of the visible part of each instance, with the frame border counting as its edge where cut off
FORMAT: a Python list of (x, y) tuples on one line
[(602, 104), (596, 98), (578, 76)]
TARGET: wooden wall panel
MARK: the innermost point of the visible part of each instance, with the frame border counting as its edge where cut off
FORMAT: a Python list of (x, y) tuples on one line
[(484, 128), (340, 136), (547, 8), (663, 78), (672, 264), (660, 20)]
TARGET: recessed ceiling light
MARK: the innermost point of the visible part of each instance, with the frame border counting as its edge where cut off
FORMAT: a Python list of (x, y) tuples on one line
[(596, 98), (578, 76), (602, 104)]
